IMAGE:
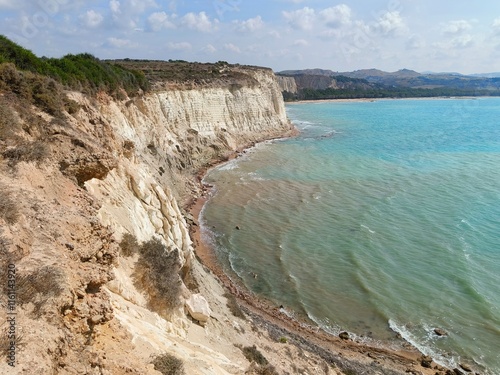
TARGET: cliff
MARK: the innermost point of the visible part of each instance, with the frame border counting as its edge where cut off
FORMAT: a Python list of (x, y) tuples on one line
[(76, 187), (287, 84), (98, 165)]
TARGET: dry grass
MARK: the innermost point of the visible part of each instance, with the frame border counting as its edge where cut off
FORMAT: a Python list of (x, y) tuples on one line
[(262, 370), (233, 306), (9, 121), (36, 151), (9, 208), (254, 355), (6, 342), (46, 281)]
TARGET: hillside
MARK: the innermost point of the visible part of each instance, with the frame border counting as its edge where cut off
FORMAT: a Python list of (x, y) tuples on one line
[(100, 166), (374, 83)]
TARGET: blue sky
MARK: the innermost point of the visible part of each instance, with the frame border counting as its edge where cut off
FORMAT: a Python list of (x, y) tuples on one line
[(455, 36)]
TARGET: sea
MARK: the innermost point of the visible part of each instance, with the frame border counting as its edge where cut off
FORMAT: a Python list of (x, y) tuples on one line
[(381, 218)]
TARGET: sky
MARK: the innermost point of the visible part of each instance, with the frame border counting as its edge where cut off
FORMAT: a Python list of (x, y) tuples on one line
[(422, 35)]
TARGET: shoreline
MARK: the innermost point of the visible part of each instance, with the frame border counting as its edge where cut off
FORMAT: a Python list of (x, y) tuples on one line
[(368, 100), (332, 348)]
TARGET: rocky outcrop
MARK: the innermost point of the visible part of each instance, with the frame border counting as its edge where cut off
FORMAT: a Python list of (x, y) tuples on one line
[(198, 308)]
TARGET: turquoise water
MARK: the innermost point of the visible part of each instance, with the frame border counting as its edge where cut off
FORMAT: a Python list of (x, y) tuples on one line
[(380, 218)]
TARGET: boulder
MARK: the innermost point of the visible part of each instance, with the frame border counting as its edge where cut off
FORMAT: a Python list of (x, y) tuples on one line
[(426, 361), (344, 335), (440, 332), (197, 307), (465, 367)]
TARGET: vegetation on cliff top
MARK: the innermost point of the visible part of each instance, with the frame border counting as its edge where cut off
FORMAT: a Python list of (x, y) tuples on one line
[(82, 72), (219, 74)]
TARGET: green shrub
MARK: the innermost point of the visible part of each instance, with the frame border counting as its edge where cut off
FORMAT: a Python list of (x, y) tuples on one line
[(70, 105), (82, 72), (168, 364)]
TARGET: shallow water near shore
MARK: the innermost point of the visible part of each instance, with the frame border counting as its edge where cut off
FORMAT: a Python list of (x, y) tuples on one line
[(379, 218)]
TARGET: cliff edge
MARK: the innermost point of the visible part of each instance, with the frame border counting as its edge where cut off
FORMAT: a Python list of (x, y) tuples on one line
[(99, 274), (92, 187)]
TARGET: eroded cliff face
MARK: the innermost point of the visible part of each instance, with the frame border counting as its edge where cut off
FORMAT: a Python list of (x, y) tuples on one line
[(287, 84), (116, 168), (165, 137)]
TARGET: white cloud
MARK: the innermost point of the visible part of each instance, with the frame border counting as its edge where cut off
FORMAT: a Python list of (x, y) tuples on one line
[(336, 16), (119, 43), (91, 19), (114, 5), (390, 23), (275, 34), (199, 21), (415, 42), (209, 49), (182, 46), (300, 43), (231, 47), (128, 13), (496, 26), (302, 19), (456, 27), (250, 25), (458, 42), (138, 6), (8, 4), (160, 20), (462, 41)]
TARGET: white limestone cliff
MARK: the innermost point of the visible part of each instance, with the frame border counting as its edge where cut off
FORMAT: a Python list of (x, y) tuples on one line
[(160, 140), (287, 84)]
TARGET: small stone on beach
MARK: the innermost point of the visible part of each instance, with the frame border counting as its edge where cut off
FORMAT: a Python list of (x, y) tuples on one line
[(344, 335), (440, 332), (465, 367)]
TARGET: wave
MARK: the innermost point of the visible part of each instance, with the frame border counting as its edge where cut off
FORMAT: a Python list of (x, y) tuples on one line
[(422, 343), (230, 165)]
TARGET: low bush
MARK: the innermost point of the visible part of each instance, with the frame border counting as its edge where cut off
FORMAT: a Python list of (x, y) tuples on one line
[(157, 271), (82, 72), (254, 355), (263, 370), (233, 306), (44, 283), (168, 364), (9, 121), (36, 151), (129, 245)]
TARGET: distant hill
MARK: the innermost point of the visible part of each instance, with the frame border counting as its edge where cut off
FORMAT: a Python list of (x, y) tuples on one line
[(487, 75), (372, 83)]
